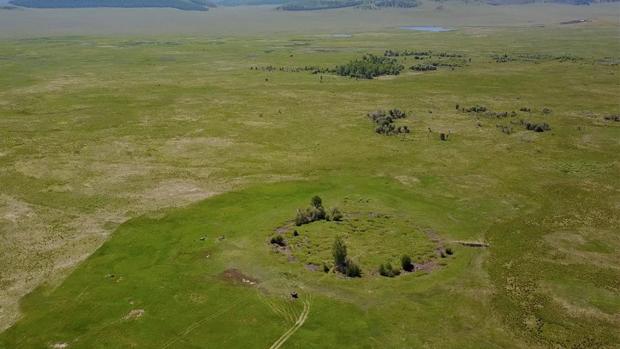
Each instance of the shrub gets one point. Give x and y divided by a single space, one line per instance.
316 213
449 251
336 215
406 264
423 67
309 215
501 58
388 271
352 269
325 268
537 127
316 201
300 218
397 113
278 240
476 109
339 251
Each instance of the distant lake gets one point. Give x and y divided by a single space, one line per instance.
426 29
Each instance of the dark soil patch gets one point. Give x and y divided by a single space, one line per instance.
235 276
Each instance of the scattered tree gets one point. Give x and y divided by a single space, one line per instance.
339 251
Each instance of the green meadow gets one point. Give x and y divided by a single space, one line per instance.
143 176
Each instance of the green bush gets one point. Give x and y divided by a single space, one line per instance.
406 264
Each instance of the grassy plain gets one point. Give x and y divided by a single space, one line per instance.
98 130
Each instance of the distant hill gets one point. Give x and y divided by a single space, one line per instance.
188 5
307 5
248 2
524 2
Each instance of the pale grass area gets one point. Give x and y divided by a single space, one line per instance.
243 20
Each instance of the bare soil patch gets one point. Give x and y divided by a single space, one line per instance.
235 276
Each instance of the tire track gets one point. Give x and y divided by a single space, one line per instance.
300 321
197 324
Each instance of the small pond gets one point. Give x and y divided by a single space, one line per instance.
426 29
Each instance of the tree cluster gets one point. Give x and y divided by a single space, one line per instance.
188 5
395 53
369 66
384 121
535 126
475 109
342 263
316 212
423 67
307 5
612 117
387 270
311 69
532 57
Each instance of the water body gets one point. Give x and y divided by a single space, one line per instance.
426 29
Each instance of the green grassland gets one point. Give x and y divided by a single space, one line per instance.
102 134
